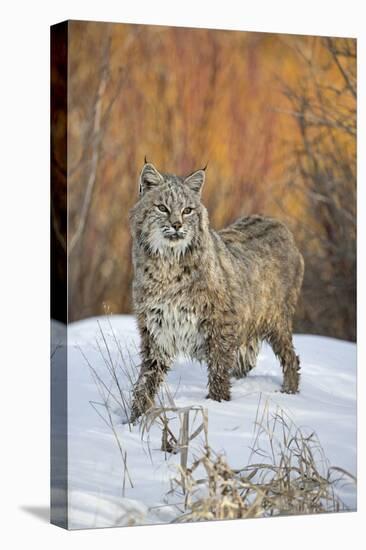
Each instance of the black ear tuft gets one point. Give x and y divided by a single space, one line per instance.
149 178
195 180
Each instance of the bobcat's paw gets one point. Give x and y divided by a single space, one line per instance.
134 416
219 398
291 390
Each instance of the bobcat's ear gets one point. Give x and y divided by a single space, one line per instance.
195 180
149 178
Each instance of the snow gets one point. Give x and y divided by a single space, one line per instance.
326 404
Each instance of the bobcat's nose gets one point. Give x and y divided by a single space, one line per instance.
177 225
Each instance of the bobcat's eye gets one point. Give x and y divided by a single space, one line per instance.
187 210
162 208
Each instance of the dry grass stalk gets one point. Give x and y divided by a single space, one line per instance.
293 477
177 443
113 398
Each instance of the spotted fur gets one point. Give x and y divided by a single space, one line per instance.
212 295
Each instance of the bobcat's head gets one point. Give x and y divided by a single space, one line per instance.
169 211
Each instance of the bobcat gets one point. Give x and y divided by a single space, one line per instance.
212 295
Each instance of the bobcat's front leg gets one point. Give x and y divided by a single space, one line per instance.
221 361
154 367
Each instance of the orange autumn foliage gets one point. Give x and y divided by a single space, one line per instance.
182 97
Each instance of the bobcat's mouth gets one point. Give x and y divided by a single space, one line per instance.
174 236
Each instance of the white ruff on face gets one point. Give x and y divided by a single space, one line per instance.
159 244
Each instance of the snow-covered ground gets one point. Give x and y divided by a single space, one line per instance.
326 405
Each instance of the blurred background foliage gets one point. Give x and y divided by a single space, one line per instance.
273 115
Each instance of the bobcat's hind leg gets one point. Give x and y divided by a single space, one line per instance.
246 358
283 348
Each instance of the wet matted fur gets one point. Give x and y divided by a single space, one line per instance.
212 295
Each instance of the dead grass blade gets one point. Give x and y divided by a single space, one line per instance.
294 478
